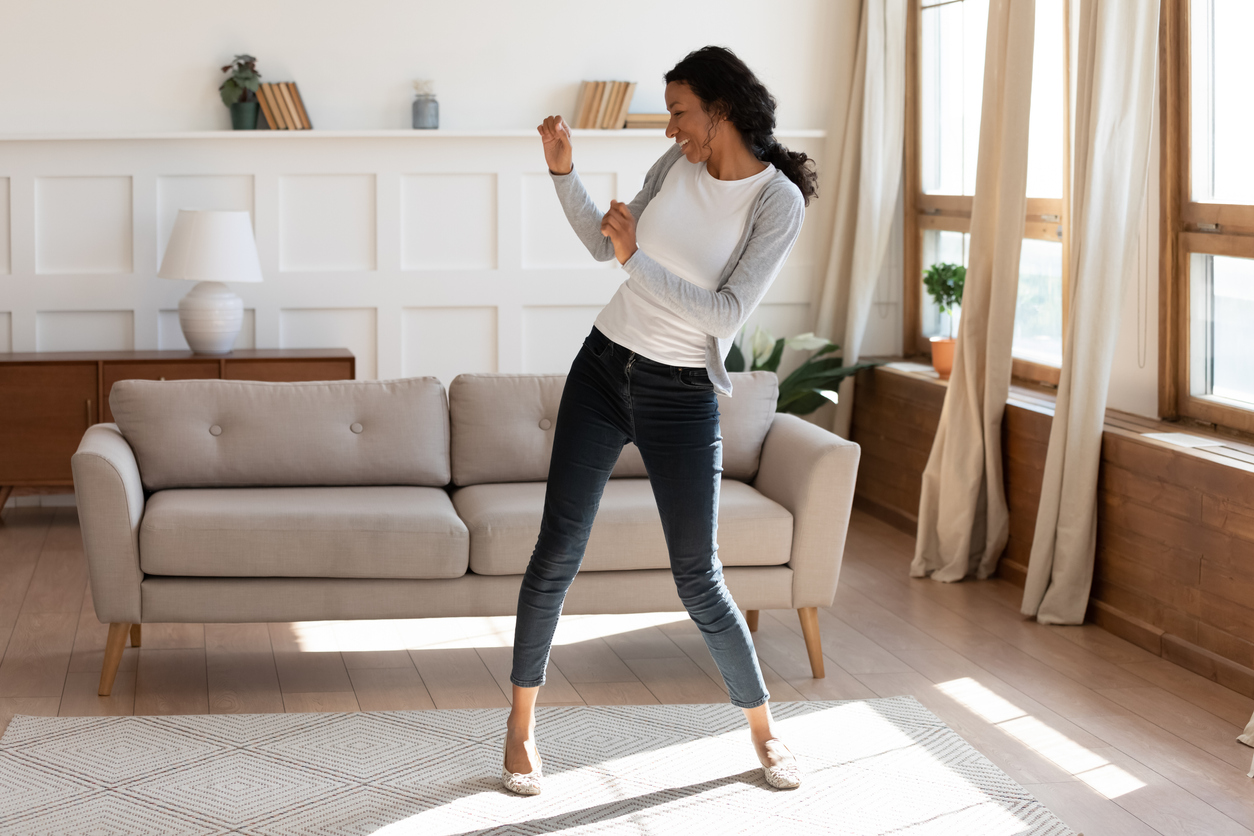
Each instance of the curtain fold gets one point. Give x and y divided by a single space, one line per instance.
1114 71
870 160
963 519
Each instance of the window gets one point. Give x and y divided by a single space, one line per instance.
1207 264
944 88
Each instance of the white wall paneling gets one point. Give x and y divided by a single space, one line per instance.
84 330
326 222
423 252
448 221
552 335
83 224
6 331
548 240
446 342
353 328
4 225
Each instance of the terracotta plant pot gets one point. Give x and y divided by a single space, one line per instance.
943 356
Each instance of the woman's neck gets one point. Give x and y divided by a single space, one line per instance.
732 161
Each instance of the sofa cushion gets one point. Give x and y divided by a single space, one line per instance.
504 522
345 532
236 433
502 427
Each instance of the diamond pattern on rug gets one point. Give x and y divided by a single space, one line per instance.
877 766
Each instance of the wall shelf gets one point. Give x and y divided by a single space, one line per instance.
271 135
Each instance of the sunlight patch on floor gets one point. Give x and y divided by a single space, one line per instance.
443 633
1083 763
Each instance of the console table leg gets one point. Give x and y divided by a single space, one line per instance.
114 646
5 492
810 629
135 635
751 616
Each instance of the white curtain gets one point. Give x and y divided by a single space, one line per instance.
1114 69
963 519
869 156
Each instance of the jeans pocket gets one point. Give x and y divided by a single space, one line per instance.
695 379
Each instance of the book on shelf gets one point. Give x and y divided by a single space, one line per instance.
602 104
282 107
647 120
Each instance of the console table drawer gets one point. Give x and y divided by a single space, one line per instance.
47 408
153 370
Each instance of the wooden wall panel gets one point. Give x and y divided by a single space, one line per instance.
1174 570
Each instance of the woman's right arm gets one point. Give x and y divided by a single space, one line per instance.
581 211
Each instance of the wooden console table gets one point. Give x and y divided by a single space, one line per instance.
49 399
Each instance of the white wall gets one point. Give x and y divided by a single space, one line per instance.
84 65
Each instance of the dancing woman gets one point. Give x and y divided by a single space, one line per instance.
701 243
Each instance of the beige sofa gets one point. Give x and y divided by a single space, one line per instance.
233 501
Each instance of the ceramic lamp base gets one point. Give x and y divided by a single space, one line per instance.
211 316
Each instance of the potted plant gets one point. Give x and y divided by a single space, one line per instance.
944 282
239 92
811 384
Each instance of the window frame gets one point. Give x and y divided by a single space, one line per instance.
1187 228
1046 218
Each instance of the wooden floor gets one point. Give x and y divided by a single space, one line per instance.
1113 739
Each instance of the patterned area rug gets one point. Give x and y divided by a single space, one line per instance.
878 766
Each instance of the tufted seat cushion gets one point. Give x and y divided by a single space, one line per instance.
354 532
237 433
502 427
504 521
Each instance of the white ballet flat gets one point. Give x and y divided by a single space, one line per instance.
523 783
783 776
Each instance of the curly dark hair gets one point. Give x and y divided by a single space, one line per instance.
728 88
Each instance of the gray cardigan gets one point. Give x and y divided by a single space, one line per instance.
774 223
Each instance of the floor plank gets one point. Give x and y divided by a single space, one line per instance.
241 675
36 706
38 655
615 693
556 689
321 701
390 689
457 678
171 681
81 695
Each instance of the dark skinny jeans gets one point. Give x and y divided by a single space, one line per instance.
612 396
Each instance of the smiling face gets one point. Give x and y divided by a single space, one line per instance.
690 125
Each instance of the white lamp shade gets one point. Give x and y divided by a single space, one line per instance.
209 245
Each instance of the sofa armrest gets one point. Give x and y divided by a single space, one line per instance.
110 501
812 473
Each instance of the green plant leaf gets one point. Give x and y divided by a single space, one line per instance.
231 92
735 361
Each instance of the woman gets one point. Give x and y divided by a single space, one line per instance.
701 243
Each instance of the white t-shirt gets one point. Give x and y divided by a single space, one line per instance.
691 227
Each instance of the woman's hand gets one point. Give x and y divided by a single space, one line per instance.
557 152
619 225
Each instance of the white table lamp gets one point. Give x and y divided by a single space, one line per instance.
211 247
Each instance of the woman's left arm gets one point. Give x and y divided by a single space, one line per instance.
721 313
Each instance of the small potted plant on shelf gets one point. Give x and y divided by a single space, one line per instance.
944 284
811 384
239 92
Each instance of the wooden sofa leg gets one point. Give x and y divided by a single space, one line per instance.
135 635
114 646
810 629
751 616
